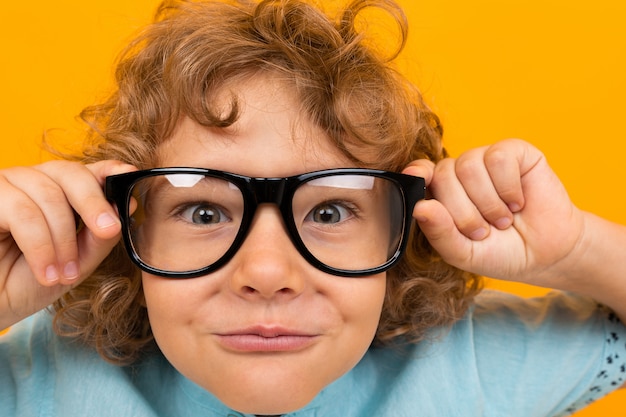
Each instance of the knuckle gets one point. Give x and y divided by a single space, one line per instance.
469 224
25 211
497 156
494 211
443 172
66 248
468 167
56 165
469 221
52 167
508 194
52 195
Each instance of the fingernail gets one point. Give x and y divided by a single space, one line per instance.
52 274
71 270
479 234
421 219
105 220
502 223
514 207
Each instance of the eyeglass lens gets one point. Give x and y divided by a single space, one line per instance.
184 222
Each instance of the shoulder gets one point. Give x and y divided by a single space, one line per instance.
24 365
562 349
44 374
23 344
501 304
549 322
506 351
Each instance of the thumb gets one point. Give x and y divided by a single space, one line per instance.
92 250
421 168
437 224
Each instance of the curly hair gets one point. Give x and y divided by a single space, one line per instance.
346 86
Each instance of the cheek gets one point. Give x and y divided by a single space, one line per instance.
347 309
158 305
173 310
360 306
363 306
170 304
158 294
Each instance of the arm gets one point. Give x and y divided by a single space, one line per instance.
500 211
41 254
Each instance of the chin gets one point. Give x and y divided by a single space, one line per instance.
271 390
277 404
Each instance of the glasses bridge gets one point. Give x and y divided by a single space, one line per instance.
268 190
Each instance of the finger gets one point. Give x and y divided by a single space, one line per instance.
95 247
421 168
503 162
41 222
472 172
448 189
83 185
22 223
441 231
93 250
24 295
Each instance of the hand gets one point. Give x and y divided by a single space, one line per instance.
41 253
500 211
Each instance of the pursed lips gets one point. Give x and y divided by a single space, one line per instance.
266 339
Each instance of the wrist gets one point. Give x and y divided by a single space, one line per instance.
595 265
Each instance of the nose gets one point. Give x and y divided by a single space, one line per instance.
267 265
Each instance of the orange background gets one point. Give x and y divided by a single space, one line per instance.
552 73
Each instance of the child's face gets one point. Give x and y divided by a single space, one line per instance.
208 327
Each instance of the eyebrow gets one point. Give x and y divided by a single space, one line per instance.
184 180
353 182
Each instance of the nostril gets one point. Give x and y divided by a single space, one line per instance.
251 290
248 290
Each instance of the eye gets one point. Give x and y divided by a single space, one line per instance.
329 213
203 214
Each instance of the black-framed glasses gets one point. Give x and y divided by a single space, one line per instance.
188 222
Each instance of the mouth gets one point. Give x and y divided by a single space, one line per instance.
266 339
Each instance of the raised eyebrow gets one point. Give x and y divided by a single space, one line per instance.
352 182
168 183
355 185
184 180
329 192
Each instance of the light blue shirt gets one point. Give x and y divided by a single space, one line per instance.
508 357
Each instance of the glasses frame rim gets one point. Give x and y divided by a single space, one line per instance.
259 190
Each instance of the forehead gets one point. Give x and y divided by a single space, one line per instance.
271 137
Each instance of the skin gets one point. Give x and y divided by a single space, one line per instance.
501 211
489 215
267 284
41 255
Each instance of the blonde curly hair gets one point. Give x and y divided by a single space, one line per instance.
174 68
